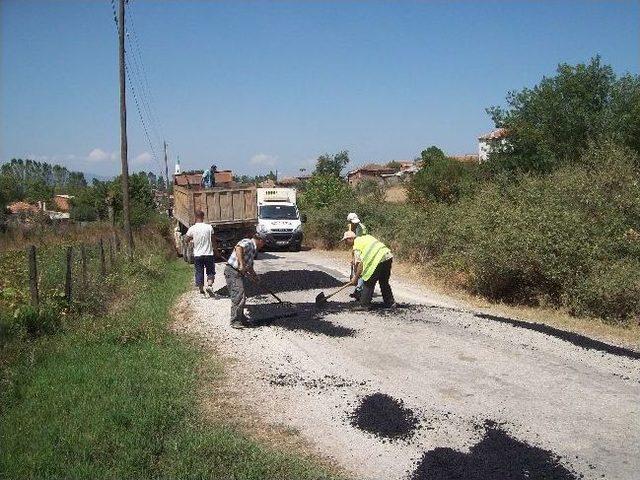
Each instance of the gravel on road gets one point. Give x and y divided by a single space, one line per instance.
558 406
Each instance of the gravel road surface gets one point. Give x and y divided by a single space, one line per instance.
430 390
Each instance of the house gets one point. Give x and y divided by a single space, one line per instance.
62 203
22 208
489 141
371 171
288 182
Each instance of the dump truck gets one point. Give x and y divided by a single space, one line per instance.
230 208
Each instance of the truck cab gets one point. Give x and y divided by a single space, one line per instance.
278 216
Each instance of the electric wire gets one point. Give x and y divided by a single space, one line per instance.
129 73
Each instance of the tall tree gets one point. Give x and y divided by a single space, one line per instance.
331 165
553 122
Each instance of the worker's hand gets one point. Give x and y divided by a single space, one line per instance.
242 268
353 281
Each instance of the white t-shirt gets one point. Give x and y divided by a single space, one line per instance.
201 234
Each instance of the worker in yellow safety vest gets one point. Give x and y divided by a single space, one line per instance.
373 261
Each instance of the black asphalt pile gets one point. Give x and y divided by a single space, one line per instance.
288 281
571 337
385 417
304 317
497 457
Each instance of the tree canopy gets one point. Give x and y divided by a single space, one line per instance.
552 123
331 165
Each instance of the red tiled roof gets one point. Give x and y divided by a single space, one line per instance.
22 207
495 134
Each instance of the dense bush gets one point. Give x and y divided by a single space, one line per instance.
569 238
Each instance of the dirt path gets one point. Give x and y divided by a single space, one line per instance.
430 390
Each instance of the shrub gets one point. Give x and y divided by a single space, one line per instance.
439 180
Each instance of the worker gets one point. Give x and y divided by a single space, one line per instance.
373 261
204 251
355 225
209 177
240 263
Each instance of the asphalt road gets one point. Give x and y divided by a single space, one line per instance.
454 395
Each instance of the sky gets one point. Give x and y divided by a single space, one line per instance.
254 86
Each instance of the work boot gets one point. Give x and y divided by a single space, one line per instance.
356 295
201 289
237 324
210 291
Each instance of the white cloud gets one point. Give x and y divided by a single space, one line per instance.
98 155
144 157
263 159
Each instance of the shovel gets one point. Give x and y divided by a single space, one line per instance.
321 298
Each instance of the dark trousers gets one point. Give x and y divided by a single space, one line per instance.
380 274
235 285
201 263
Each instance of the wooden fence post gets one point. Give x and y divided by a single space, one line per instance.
103 267
69 277
83 260
111 259
33 276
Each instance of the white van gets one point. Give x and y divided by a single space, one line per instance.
278 216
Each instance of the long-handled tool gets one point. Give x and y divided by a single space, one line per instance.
321 298
260 284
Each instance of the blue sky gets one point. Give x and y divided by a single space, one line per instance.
253 86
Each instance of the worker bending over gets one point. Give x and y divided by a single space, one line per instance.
240 263
356 226
204 251
372 263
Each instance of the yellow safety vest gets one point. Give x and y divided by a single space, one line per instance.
372 251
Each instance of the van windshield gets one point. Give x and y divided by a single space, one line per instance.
278 212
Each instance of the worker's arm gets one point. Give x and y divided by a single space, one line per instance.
240 256
252 273
357 267
357 273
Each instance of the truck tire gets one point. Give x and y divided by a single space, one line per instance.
295 247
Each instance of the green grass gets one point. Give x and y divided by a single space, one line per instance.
115 397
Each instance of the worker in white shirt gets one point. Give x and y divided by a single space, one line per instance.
204 252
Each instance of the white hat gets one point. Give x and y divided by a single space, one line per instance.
353 218
348 234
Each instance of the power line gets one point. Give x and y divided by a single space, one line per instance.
138 50
129 73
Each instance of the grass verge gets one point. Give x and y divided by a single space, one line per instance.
115 397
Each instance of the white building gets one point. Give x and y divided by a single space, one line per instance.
488 142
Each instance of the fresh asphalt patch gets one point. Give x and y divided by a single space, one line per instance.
498 456
384 417
288 281
571 337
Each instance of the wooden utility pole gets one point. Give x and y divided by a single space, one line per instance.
166 167
123 133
